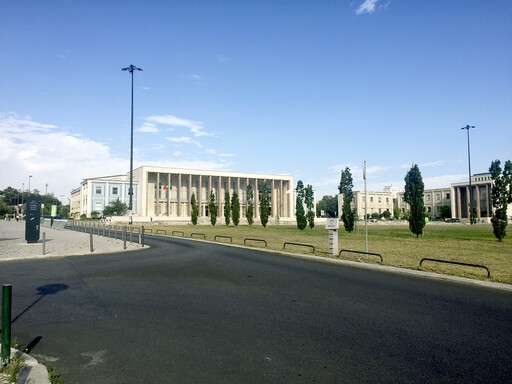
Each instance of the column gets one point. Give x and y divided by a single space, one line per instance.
458 202
199 193
157 198
477 187
178 197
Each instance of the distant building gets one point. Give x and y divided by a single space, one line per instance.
481 184
377 202
433 199
161 193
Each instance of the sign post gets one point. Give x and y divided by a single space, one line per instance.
332 224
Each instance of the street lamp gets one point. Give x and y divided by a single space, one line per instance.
29 184
131 69
470 214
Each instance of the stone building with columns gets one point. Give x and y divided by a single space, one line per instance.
479 195
164 194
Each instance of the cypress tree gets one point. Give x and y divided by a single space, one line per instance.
300 213
212 208
195 209
413 196
227 208
235 209
249 214
501 196
345 188
264 205
309 199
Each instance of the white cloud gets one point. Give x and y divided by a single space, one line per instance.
148 128
183 140
195 127
368 6
51 155
195 77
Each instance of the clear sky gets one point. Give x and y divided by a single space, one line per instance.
297 87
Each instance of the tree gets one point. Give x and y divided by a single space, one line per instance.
249 214
328 204
386 214
227 208
195 208
310 203
444 212
345 188
264 205
413 196
501 196
235 209
115 208
212 208
300 213
396 213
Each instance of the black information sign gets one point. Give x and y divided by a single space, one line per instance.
33 219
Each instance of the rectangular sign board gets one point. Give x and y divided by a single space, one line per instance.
332 223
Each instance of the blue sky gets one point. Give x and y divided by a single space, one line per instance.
297 87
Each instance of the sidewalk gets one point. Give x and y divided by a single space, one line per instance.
58 243
13 245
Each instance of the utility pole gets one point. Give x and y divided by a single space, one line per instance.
131 69
471 215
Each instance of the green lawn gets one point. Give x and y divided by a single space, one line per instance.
399 248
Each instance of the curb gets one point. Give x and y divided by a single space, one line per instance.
31 372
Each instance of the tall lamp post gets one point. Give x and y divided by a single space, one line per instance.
131 69
29 184
470 205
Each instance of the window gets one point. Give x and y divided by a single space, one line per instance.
427 197
98 190
438 197
387 200
115 190
447 195
379 201
371 199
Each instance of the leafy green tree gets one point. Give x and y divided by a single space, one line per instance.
501 196
235 208
413 196
444 212
396 213
345 188
249 214
300 213
115 208
386 214
195 208
212 208
328 204
309 197
227 208
264 205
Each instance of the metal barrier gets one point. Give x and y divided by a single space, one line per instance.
364 253
161 230
300 245
262 241
198 234
457 263
223 237
182 233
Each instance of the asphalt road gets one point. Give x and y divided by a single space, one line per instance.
190 312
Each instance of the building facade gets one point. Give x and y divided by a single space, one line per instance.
162 193
376 202
434 200
476 195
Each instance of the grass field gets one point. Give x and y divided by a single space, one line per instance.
399 248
